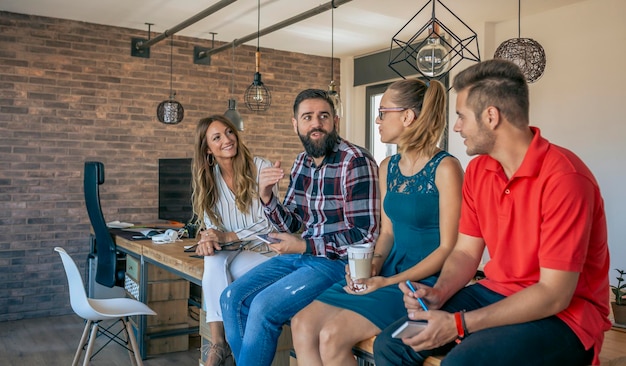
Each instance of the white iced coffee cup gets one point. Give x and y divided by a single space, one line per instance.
360 262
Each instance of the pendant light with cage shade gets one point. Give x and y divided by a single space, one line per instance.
257 97
232 113
170 111
332 91
524 52
436 47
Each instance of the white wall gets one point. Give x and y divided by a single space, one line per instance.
578 103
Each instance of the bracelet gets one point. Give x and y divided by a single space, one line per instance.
458 318
465 331
376 255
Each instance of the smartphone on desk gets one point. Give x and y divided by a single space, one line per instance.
190 248
409 329
267 239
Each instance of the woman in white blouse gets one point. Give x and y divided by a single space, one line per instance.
225 180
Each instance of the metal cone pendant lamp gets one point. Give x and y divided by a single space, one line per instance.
524 52
170 111
232 113
257 96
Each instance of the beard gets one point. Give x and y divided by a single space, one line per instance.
483 141
321 147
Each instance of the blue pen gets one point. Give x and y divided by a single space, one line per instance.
408 283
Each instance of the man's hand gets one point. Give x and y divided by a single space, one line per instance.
441 330
268 177
431 296
289 244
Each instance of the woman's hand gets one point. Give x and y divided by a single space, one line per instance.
209 242
363 286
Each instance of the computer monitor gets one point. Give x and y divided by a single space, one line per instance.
175 190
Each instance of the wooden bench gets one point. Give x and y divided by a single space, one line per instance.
364 351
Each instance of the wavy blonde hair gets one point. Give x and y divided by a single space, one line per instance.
428 102
205 191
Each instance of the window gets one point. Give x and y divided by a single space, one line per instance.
373 95
377 148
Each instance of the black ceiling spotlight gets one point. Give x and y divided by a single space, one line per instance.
141 47
436 47
524 52
257 96
170 111
199 53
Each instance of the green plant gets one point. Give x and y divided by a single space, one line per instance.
620 290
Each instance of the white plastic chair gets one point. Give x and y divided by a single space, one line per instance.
96 310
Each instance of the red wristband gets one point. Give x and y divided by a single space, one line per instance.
459 326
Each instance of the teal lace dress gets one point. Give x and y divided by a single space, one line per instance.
412 205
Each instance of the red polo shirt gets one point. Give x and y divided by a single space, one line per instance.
550 214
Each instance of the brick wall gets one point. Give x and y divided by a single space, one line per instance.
71 92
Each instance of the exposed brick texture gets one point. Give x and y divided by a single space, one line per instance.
71 92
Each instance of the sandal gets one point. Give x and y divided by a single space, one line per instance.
220 355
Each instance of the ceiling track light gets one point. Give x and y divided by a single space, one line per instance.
140 47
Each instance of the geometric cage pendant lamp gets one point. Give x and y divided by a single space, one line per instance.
170 111
524 52
436 47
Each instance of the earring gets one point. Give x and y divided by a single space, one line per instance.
210 159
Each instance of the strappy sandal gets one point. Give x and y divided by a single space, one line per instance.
220 355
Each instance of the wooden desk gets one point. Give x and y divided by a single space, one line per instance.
171 257
177 265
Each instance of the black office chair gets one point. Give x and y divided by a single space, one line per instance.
110 270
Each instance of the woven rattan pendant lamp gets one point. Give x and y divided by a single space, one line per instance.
524 52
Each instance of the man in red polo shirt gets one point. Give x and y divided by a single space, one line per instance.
537 209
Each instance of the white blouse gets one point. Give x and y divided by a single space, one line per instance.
247 225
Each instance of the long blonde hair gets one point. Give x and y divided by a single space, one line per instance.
205 190
428 102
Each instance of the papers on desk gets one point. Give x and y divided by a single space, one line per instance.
119 225
145 231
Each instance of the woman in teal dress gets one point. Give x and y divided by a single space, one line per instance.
421 193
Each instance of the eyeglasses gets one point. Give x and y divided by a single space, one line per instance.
381 111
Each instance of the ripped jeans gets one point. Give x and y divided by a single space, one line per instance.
256 306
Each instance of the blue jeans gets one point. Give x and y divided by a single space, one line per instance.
547 341
256 306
